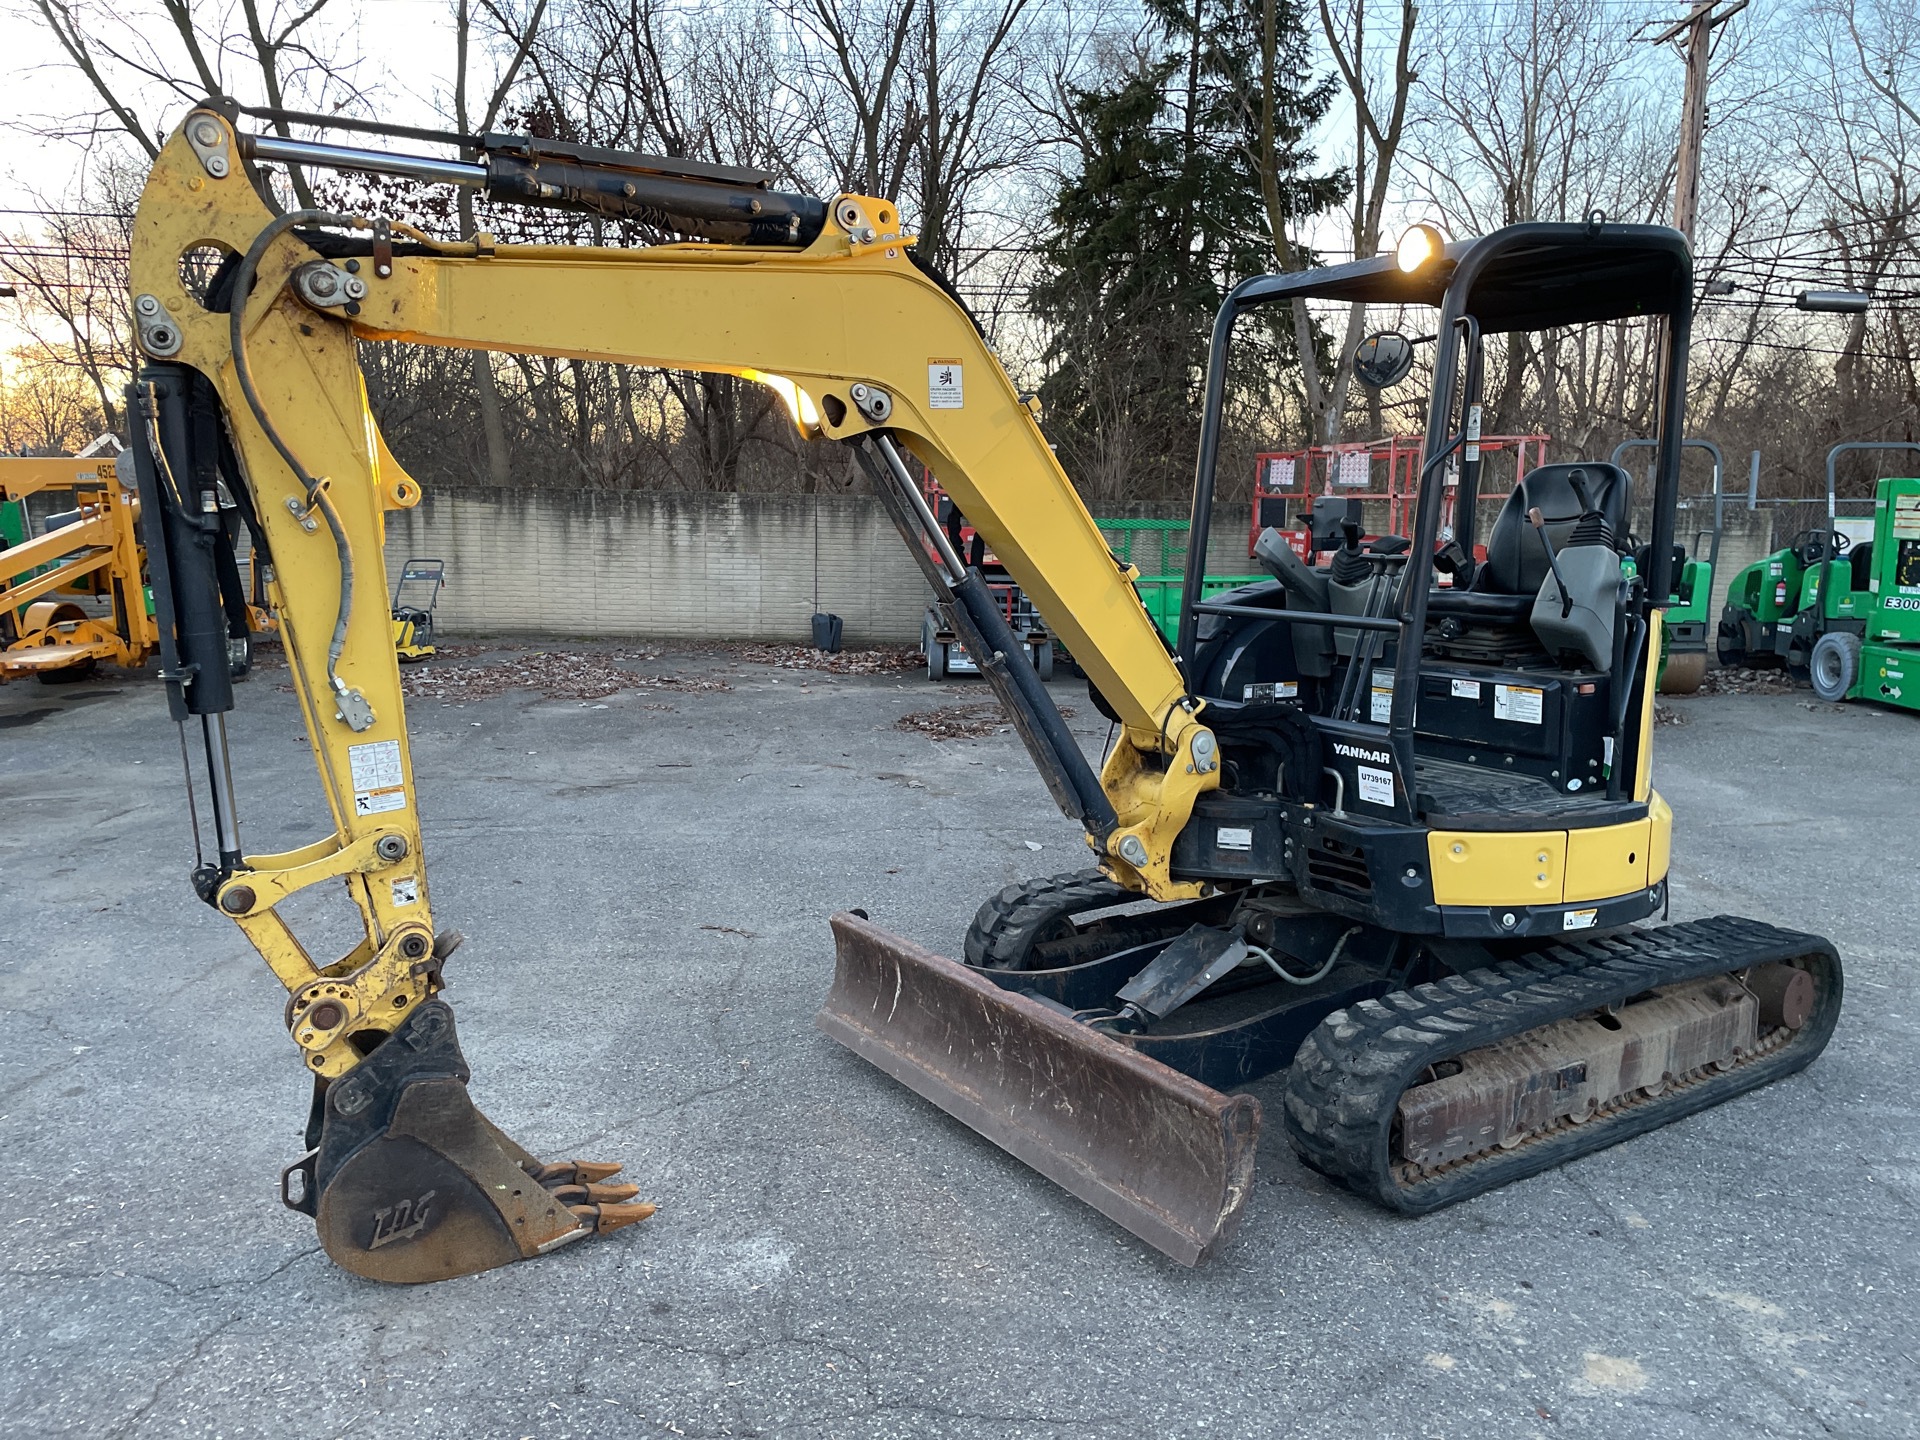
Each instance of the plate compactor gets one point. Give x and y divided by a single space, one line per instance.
1386 822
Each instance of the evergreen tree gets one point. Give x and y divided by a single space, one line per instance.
1164 217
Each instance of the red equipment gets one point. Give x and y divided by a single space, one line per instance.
1387 470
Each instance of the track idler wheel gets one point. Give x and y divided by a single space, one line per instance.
410 1182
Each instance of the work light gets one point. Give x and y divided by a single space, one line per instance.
1419 245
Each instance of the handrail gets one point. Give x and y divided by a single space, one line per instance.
1316 617
1719 491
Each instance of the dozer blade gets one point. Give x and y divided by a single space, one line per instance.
1161 1154
410 1182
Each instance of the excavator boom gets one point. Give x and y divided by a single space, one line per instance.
252 382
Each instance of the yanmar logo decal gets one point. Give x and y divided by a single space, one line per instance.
1355 752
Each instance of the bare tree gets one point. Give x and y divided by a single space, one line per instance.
46 405
1859 140
134 73
72 277
517 34
1540 114
856 77
1379 102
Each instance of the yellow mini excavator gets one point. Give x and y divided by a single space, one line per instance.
1385 822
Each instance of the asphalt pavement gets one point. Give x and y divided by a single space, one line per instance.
645 879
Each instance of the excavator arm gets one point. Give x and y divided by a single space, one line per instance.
254 379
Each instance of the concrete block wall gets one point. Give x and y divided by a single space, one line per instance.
733 567
721 566
700 566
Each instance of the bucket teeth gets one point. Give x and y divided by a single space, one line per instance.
573 1172
605 1219
592 1194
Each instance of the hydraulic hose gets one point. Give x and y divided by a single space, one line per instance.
1333 957
243 370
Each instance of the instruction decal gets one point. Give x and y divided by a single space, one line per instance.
378 784
944 388
1906 517
1375 786
1521 703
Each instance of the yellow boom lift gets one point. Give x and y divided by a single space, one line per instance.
1395 814
91 551
94 551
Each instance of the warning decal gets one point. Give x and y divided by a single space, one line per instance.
1906 517
1380 711
377 782
944 389
1274 690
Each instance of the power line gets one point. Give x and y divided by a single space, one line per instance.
1800 349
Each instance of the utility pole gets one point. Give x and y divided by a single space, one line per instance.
1699 25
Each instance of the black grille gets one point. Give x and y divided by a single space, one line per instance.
1332 865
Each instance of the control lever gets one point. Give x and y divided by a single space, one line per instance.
1539 523
1278 559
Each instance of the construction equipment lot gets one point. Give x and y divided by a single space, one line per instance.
834 1256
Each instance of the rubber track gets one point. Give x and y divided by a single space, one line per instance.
1346 1081
1004 927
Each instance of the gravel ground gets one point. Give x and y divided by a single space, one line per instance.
645 876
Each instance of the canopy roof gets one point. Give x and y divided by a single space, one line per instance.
1525 277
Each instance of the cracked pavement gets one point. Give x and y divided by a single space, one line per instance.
645 892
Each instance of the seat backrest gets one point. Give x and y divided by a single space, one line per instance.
1861 556
1516 560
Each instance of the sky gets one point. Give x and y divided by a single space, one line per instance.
407 47
408 44
408 50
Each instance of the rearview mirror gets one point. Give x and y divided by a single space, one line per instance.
1382 360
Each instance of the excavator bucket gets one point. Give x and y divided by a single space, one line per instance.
1157 1152
409 1182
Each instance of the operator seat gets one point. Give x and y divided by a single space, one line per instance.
1504 587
